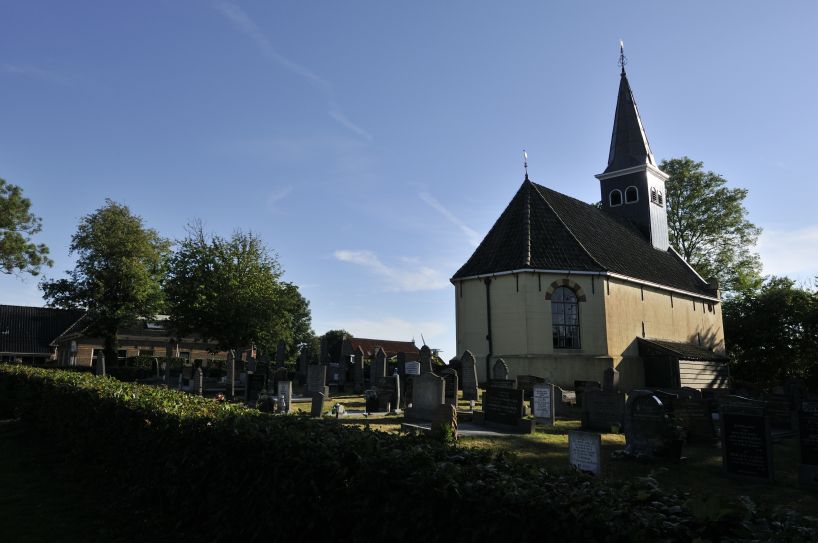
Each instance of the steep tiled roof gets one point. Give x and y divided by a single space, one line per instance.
29 330
685 351
390 348
544 229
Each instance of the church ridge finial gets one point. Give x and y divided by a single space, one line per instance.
622 58
525 163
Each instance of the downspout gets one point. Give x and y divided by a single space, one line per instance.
488 322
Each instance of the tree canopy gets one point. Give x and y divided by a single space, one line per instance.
118 273
18 254
708 224
229 290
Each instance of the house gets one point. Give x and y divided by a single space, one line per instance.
390 347
26 333
562 289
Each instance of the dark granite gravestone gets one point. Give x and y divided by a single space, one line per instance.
746 443
526 383
401 356
317 407
542 403
323 354
276 376
457 366
581 386
406 392
388 391
694 416
198 382
284 393
301 368
500 370
281 352
469 374
808 443
780 411
584 451
425 359
345 362
565 403
251 364
428 392
317 380
450 378
358 370
668 399
252 388
687 392
601 410
377 370
502 383
231 375
503 406
610 380
99 365
649 427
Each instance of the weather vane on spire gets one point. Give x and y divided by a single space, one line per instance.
525 163
622 59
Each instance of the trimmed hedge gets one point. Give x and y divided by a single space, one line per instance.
227 472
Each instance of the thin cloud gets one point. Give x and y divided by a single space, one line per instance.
401 279
246 25
277 195
472 235
33 72
790 252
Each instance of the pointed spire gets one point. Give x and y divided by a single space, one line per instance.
525 163
629 143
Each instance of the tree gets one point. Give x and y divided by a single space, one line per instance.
18 254
708 225
334 340
772 332
229 291
118 274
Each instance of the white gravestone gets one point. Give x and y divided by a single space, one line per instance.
542 403
584 451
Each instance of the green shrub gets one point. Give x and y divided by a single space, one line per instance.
226 472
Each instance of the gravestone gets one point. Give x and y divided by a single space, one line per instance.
284 392
301 368
526 383
345 362
371 400
168 356
649 427
231 375
317 407
584 451
198 382
278 375
500 370
779 409
251 364
610 380
581 386
602 410
695 417
428 393
388 391
746 443
100 366
317 380
323 355
502 383
565 403
281 352
425 359
412 368
455 364
808 443
503 406
445 415
542 403
358 370
377 370
253 387
450 378
401 363
469 374
668 399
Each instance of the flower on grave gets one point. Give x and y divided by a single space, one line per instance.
219 397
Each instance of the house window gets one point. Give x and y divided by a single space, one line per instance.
631 195
565 318
616 198
147 352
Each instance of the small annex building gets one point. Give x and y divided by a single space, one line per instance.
562 289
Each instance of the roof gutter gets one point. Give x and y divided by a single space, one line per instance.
596 273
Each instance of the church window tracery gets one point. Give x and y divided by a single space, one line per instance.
565 318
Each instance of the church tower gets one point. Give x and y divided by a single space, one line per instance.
632 186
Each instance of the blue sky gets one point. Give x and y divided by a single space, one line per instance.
372 144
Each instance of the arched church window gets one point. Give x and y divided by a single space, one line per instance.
616 198
653 195
631 195
565 318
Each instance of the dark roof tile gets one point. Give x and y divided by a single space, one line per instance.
30 329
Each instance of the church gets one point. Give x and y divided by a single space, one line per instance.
563 290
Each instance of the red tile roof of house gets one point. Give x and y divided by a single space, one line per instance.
391 348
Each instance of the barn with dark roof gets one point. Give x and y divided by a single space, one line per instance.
563 289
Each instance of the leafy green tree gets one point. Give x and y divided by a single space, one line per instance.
335 339
18 254
118 274
772 332
229 290
708 225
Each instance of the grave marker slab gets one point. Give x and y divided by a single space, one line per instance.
500 370
231 375
428 393
358 370
317 407
542 403
526 383
425 359
649 428
584 451
377 370
602 410
581 386
253 387
388 391
284 390
198 382
401 356
503 406
745 438
695 417
317 380
469 373
450 378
